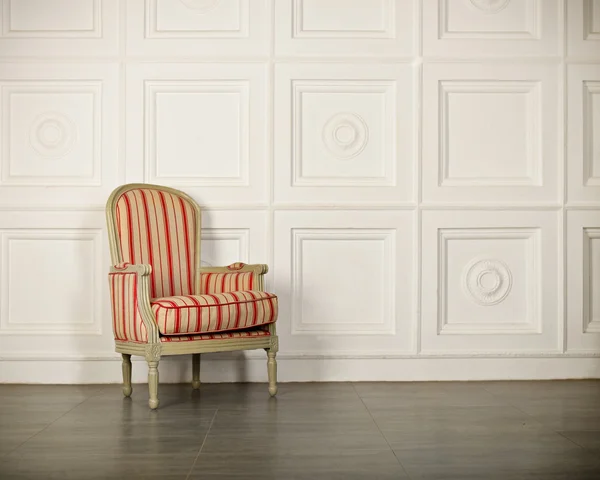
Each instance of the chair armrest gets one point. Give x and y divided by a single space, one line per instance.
133 320
237 276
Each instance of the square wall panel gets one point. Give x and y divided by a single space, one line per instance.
197 27
344 280
583 28
233 236
344 27
490 279
484 28
345 134
58 27
490 133
583 281
583 134
204 132
65 307
59 131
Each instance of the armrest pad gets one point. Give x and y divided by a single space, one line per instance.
238 267
139 268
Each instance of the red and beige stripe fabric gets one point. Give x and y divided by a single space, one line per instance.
194 314
226 282
159 228
215 336
127 322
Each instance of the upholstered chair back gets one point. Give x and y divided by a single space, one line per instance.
159 227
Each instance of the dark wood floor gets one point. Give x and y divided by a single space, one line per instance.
480 430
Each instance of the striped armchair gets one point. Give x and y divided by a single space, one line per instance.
164 303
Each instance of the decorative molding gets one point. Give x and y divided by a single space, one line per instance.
8 31
345 135
154 88
52 135
383 326
206 31
591 126
534 132
591 20
591 243
490 7
388 30
92 327
201 7
476 290
475 280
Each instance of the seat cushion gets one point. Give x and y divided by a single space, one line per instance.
219 312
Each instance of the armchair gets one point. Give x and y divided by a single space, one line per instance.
164 303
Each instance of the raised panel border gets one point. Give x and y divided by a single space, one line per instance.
8 32
531 33
152 88
388 13
534 160
386 88
387 325
242 235
93 235
590 324
7 88
151 31
532 324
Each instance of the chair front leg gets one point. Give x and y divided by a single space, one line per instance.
272 370
196 371
126 374
153 357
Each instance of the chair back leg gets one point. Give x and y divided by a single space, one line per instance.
196 371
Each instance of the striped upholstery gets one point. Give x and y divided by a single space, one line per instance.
127 322
158 228
226 282
216 336
194 314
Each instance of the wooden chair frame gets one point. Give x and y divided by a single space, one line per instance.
154 349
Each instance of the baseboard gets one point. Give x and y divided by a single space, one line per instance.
176 370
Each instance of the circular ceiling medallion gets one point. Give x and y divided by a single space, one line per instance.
201 6
490 6
345 135
52 135
487 281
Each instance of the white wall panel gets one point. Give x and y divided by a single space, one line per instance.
490 125
583 281
344 27
583 27
489 28
490 282
583 154
421 176
344 134
58 27
345 280
210 28
59 131
205 131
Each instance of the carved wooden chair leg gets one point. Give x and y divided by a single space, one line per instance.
153 383
196 371
126 374
272 369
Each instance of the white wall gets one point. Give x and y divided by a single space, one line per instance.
422 177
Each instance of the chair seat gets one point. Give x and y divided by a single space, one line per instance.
216 336
211 313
